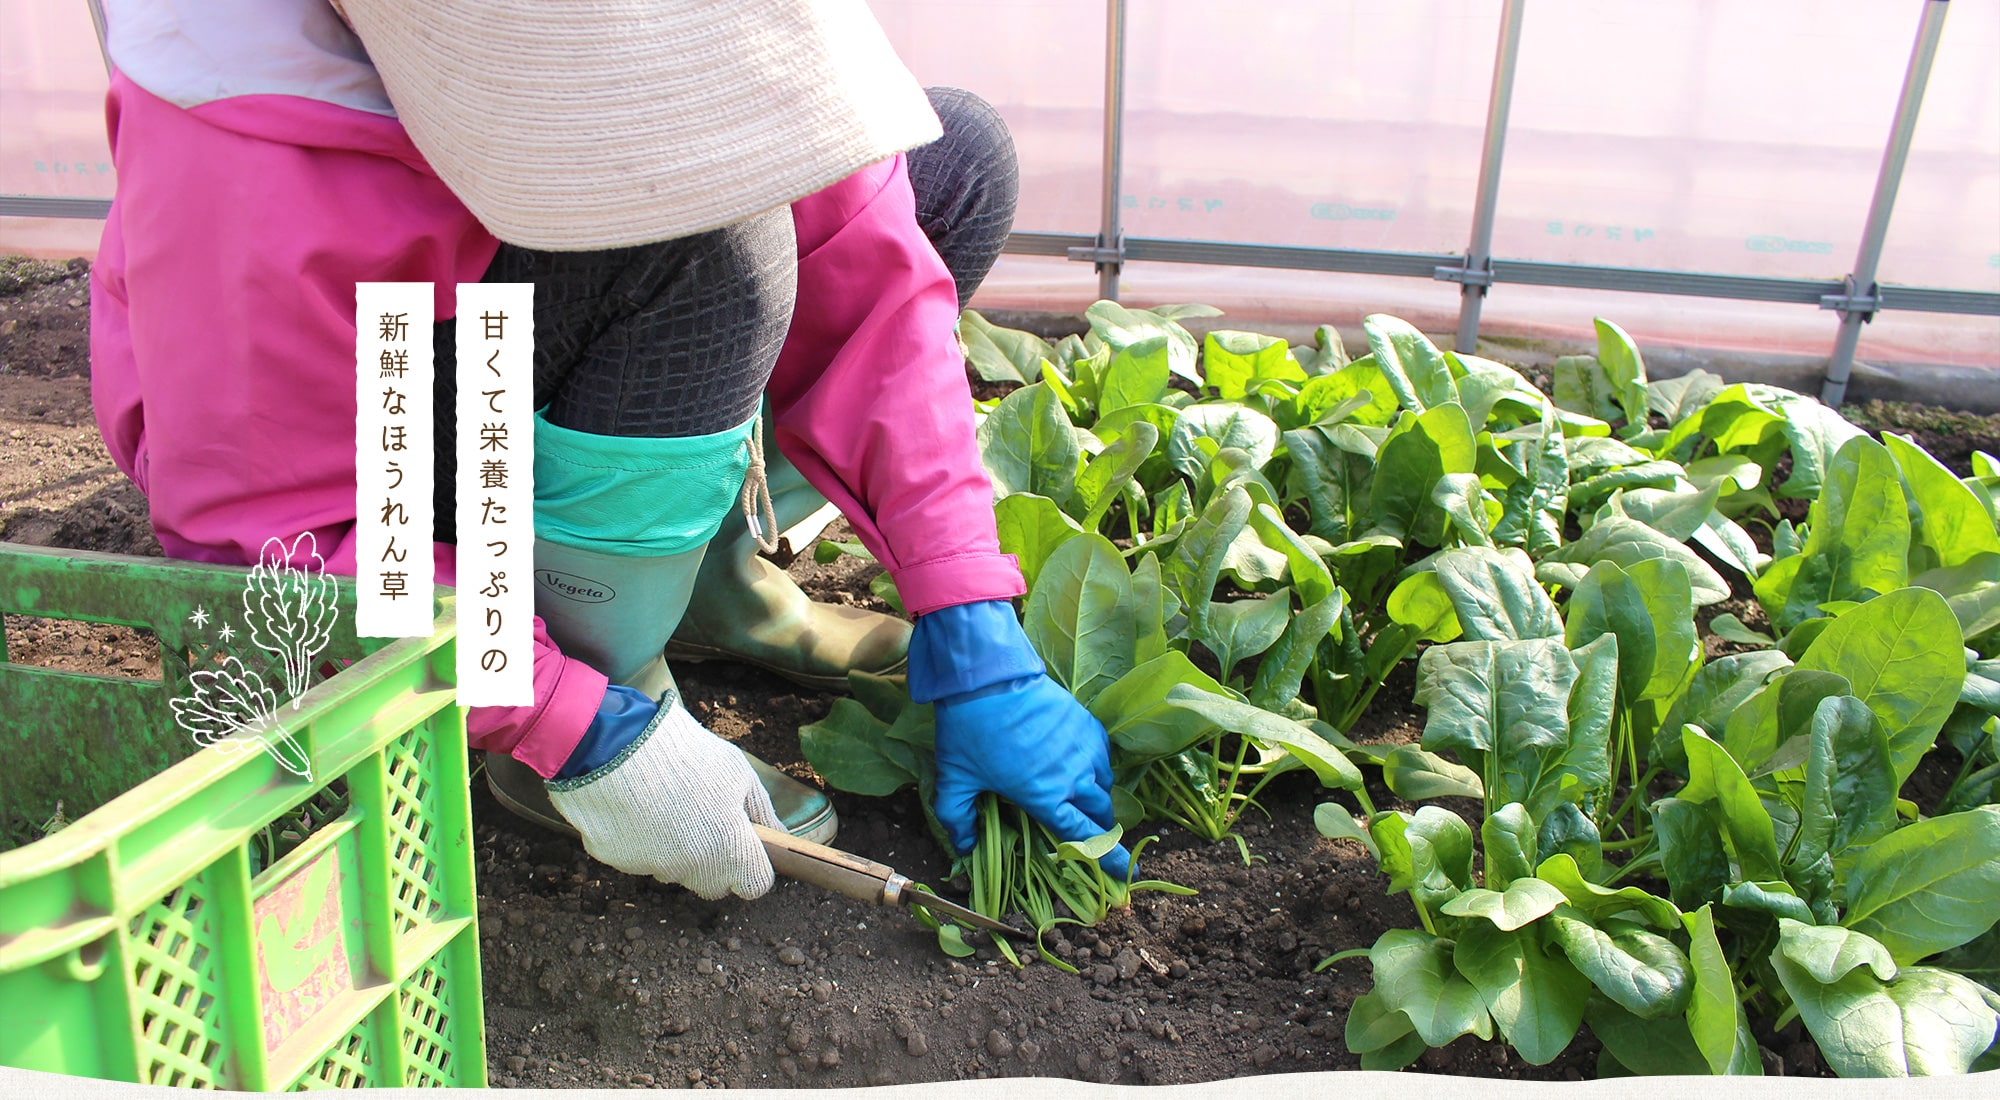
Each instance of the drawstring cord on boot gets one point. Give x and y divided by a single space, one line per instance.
758 512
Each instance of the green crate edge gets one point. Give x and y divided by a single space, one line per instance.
109 887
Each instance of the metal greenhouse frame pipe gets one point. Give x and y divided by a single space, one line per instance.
97 22
1108 251
1860 299
1443 265
1857 298
53 206
1477 274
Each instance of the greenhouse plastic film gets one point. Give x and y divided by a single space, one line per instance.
1708 136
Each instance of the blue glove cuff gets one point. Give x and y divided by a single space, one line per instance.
968 646
621 718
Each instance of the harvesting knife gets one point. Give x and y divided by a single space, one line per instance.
518 788
851 876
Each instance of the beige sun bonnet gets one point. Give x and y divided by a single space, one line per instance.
579 124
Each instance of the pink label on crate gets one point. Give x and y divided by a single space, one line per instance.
301 962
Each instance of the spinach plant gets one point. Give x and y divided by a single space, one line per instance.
1231 543
1777 874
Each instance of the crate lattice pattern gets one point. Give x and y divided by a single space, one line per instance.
349 1065
285 835
427 1028
413 868
175 981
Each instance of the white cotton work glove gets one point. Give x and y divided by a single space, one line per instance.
676 804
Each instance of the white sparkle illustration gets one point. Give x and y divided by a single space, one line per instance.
227 632
199 616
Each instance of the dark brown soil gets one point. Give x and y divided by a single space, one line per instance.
44 318
1949 436
57 484
72 646
842 580
649 983
597 978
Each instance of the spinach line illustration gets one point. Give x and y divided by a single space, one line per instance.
290 611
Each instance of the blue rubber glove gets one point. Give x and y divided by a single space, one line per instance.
621 718
1004 726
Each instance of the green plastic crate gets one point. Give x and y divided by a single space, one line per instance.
207 918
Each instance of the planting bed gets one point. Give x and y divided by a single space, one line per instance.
595 978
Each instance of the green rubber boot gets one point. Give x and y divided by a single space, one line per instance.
610 612
744 608
615 610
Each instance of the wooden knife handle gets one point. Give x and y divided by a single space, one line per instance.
844 873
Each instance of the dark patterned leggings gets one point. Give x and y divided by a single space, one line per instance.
679 338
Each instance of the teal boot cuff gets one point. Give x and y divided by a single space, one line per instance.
636 496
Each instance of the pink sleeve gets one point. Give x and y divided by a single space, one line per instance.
869 397
222 336
567 695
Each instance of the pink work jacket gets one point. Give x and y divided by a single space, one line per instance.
222 355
